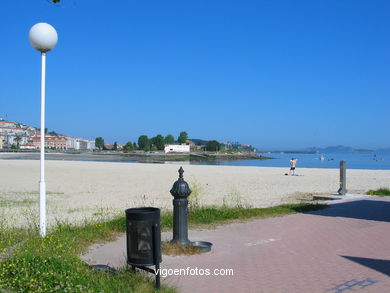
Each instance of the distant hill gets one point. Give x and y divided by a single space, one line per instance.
332 149
339 149
383 151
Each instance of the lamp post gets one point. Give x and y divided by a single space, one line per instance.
43 37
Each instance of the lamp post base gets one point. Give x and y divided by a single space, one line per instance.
42 208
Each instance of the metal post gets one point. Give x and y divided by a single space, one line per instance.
156 254
42 183
180 192
180 221
343 178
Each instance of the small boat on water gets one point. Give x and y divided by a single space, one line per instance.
321 158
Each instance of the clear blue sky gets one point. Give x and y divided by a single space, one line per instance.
275 74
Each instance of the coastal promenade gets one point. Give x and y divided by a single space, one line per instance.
344 248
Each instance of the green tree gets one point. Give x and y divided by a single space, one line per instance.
46 130
144 143
128 146
158 142
99 143
183 137
169 139
18 139
53 133
213 145
115 147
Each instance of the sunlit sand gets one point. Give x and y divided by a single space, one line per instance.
90 190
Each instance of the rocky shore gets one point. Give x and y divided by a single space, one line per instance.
137 156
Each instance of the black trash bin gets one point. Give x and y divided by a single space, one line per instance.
143 239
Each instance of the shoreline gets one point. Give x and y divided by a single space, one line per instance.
80 190
151 156
197 156
109 157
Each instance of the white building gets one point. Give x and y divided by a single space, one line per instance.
76 143
91 145
28 146
177 148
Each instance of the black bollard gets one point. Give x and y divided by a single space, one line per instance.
180 191
343 178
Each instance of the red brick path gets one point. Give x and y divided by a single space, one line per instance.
345 248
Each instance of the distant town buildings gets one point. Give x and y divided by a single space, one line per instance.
17 135
238 146
14 135
51 142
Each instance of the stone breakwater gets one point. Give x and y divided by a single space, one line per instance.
196 156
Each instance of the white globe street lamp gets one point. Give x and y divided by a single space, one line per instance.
43 37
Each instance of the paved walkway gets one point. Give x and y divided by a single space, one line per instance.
345 248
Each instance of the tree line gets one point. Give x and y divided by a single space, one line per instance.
145 143
157 143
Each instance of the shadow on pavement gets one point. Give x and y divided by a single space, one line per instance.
380 265
374 210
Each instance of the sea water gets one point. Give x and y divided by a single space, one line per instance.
374 161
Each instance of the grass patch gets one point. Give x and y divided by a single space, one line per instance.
29 263
52 264
206 216
380 191
17 203
175 249
9 240
21 198
219 215
33 192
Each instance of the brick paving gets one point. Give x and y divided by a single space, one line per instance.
345 248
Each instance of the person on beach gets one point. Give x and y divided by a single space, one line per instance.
293 163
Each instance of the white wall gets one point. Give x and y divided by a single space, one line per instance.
177 148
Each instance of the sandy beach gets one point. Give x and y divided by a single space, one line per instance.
91 190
